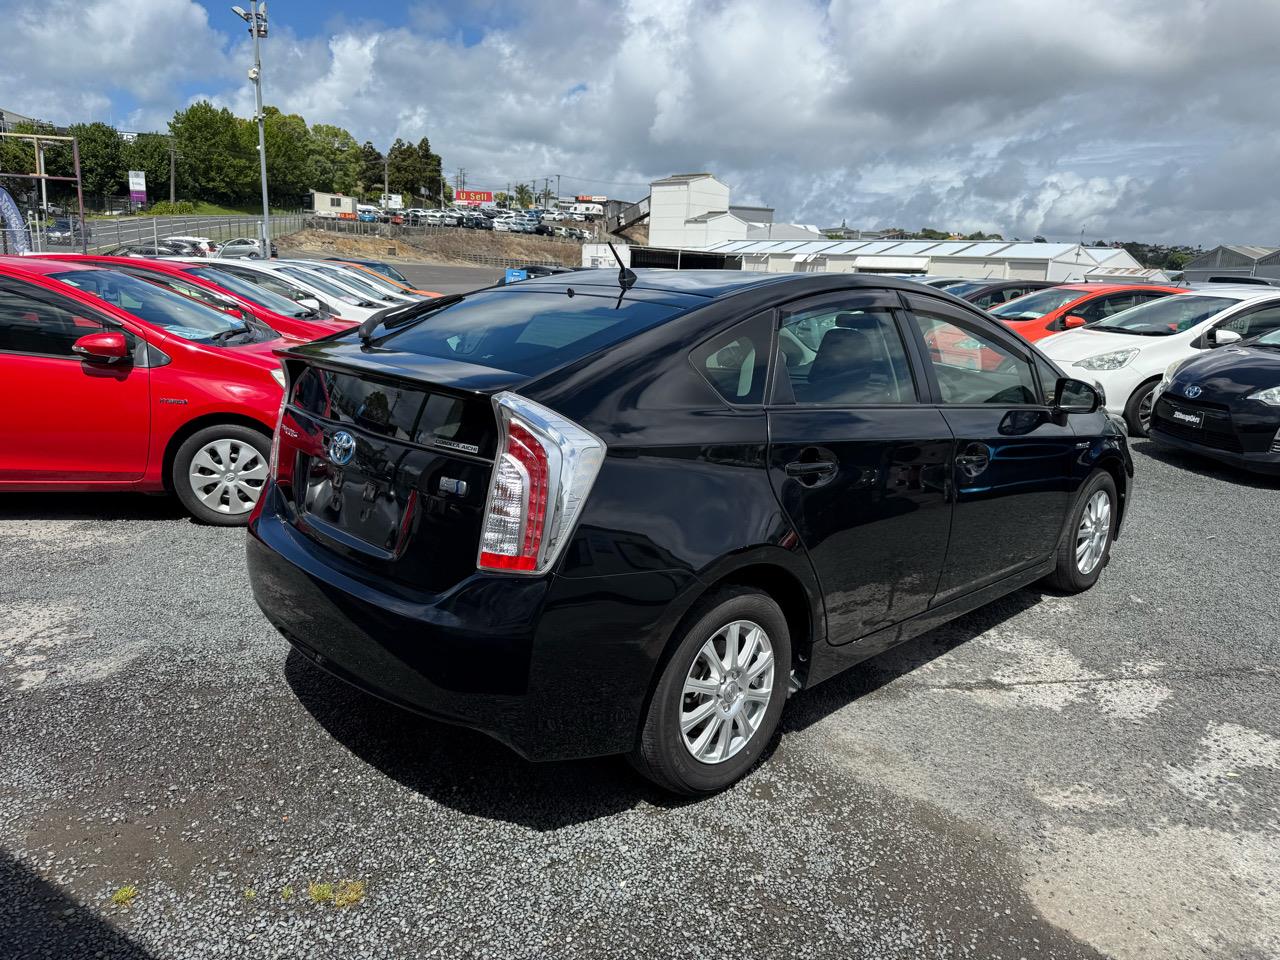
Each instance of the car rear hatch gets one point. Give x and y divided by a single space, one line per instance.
390 471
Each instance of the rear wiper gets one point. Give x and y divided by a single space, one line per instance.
230 332
406 315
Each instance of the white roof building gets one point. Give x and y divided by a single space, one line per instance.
691 211
994 259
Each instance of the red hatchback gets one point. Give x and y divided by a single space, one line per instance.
115 383
1039 314
223 291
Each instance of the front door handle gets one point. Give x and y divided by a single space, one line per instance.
974 459
810 468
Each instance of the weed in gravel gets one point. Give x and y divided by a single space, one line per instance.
250 893
320 892
348 892
125 896
286 893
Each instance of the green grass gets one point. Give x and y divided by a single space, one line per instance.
125 896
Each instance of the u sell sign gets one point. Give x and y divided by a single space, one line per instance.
473 198
138 186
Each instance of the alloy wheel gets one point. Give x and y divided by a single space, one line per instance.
227 476
727 691
1145 407
1092 534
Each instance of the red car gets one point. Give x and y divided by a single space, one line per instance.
1055 309
223 291
115 383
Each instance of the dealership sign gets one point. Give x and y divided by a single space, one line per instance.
583 198
138 186
473 198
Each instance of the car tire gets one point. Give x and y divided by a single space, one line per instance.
665 753
224 500
1133 410
1086 544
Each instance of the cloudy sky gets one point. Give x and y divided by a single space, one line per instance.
1125 119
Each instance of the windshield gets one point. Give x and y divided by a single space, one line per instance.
256 295
1035 305
526 332
348 279
320 283
156 305
1166 316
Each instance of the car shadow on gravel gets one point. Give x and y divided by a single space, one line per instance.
89 506
811 706
474 774
1205 466
465 770
39 920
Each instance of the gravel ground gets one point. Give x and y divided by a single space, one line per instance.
1046 777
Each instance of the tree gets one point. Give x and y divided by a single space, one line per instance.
335 160
1038 239
502 199
406 171
288 156
219 159
102 169
433 167
370 170
524 196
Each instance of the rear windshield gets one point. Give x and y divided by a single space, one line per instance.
527 332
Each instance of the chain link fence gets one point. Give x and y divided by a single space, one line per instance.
393 231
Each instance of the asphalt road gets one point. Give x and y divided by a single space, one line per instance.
1046 777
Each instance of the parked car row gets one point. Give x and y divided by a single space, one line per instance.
129 373
177 246
1154 352
541 222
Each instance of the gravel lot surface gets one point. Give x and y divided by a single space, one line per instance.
1046 777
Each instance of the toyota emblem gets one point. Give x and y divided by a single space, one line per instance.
1192 391
342 447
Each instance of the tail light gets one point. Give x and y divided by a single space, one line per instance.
542 474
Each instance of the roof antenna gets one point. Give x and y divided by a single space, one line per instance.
626 278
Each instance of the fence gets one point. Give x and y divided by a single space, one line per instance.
393 231
104 234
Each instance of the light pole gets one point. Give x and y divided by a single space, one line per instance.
257 20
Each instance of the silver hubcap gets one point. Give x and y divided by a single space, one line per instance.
227 476
1095 528
726 692
1144 409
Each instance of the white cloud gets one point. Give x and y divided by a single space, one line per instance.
1125 118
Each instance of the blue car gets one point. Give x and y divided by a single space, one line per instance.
366 217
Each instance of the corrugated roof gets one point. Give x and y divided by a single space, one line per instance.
680 178
709 215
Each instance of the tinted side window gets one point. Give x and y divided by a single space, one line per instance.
32 322
1048 378
972 367
838 355
736 362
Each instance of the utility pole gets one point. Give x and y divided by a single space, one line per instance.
557 191
386 175
257 21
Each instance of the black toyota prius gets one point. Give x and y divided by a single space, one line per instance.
1224 404
604 513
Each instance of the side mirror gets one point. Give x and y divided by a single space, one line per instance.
108 347
311 303
1075 396
1218 337
1073 320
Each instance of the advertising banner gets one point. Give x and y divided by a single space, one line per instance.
138 186
473 198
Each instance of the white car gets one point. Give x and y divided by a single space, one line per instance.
353 282
289 281
1128 353
207 246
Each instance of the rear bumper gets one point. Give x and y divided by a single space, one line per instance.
1268 463
555 668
